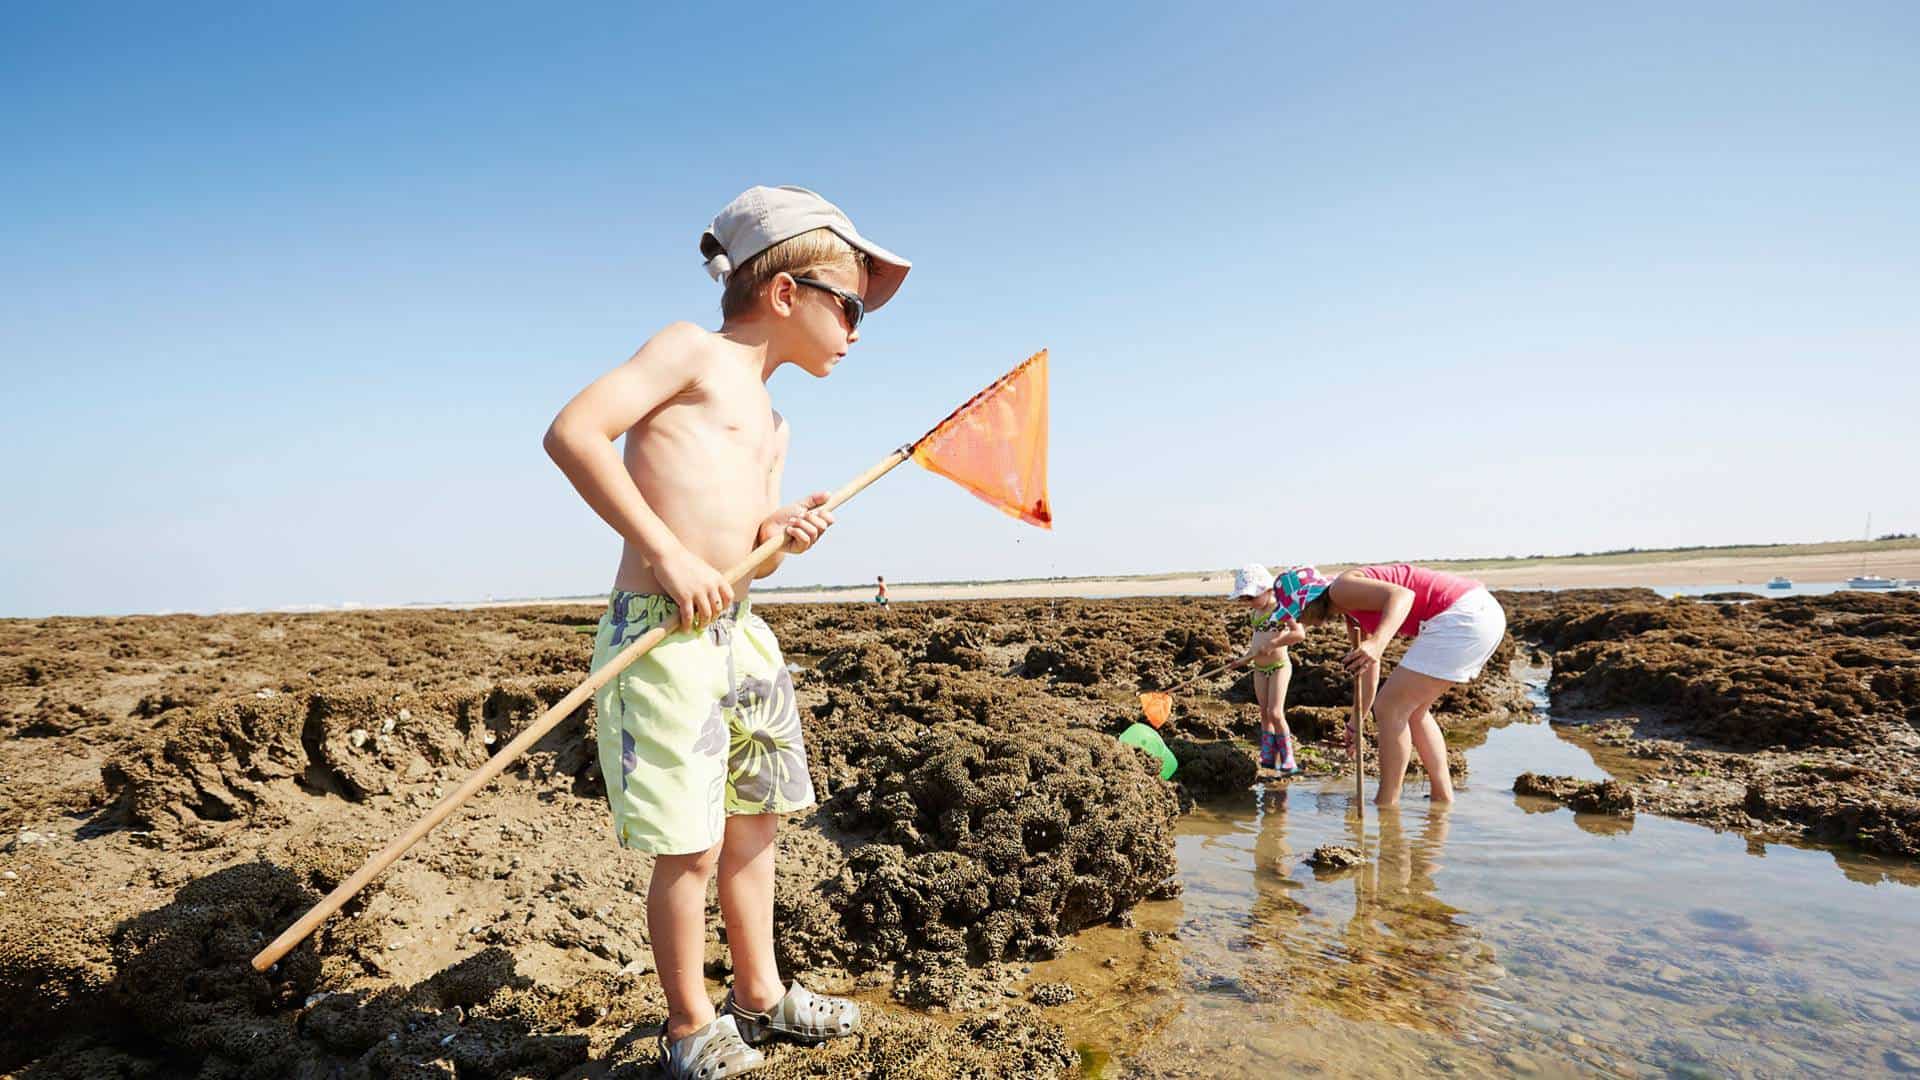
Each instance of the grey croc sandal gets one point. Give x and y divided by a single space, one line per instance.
802 1015
711 1052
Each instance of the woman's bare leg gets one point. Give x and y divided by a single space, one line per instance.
1405 696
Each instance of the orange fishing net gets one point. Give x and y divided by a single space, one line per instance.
1158 705
996 444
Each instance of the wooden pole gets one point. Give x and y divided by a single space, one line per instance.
1359 732
507 754
1183 684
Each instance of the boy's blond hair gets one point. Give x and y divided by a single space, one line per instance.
811 250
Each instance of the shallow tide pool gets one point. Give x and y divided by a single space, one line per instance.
1506 935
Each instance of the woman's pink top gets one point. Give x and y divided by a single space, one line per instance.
1433 593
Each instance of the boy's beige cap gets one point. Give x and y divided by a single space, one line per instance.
761 217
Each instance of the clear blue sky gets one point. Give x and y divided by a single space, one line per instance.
289 292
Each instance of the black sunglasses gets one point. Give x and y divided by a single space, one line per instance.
850 302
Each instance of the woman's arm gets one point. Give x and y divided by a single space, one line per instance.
1355 591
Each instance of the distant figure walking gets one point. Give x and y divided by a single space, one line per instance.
880 591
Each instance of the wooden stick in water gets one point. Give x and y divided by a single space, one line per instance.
1359 745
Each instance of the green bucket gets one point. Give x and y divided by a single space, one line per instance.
1142 737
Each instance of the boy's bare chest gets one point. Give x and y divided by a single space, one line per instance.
740 425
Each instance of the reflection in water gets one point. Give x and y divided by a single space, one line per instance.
1597 824
1402 954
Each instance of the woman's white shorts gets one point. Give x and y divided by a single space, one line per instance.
1455 644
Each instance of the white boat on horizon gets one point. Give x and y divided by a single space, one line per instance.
1780 582
1864 580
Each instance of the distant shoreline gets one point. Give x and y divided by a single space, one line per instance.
1732 565
1751 565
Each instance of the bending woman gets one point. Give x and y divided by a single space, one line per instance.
1455 624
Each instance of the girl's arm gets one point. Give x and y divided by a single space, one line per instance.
1270 639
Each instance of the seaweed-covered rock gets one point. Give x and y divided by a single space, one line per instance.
1725 687
54 969
184 973
185 978
1052 994
1577 624
1868 808
1585 796
1801 709
987 845
1213 768
1079 660
862 662
1199 645
1332 858
220 761
1797 672
960 644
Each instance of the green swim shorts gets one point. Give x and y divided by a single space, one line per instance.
701 727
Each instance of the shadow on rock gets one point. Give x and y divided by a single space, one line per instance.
185 998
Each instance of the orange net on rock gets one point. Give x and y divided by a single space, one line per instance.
996 444
1158 705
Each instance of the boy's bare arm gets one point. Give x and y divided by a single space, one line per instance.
581 441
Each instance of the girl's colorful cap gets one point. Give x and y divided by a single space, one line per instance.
1251 580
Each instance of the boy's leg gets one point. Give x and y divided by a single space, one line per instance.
677 923
1406 694
746 903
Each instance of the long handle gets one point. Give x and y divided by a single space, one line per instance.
505 756
1207 674
1359 732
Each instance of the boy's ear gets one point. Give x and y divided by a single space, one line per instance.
782 293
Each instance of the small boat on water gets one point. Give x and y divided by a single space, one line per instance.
1864 580
1780 582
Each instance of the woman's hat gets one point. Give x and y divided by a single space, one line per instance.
1295 588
